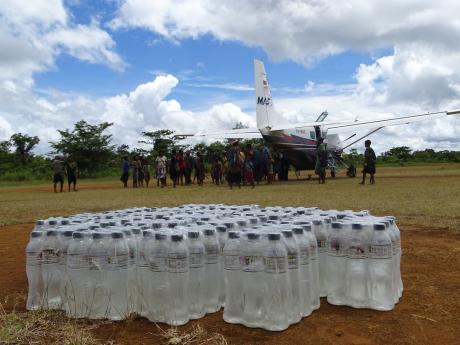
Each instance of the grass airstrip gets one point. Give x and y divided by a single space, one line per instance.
425 200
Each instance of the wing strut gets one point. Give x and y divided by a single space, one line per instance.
354 142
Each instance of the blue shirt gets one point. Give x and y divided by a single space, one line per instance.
125 167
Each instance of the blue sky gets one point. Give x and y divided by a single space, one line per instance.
188 65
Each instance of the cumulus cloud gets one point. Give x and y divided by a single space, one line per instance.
143 109
32 35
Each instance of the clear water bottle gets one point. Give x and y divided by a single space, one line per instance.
221 239
143 273
98 302
132 269
357 277
233 310
64 239
336 264
158 293
212 275
295 309
33 270
252 278
394 228
277 294
305 270
178 268
314 265
50 271
196 279
77 269
322 235
381 270
117 277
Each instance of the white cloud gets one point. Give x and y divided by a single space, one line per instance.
145 108
32 35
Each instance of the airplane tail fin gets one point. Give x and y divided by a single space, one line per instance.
265 113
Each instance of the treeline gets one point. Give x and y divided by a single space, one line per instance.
92 148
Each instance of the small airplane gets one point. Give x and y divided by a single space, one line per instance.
298 142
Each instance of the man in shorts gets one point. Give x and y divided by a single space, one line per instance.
369 163
58 173
72 172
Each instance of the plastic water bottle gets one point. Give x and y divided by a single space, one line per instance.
321 235
132 269
212 275
233 310
33 270
381 270
117 277
336 265
178 268
397 233
158 293
196 279
277 294
50 271
98 291
77 269
305 271
143 273
252 278
63 242
221 239
357 277
314 265
295 309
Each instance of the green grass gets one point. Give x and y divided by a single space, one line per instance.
417 195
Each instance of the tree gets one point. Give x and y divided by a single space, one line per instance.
87 145
162 141
23 144
402 153
240 125
5 147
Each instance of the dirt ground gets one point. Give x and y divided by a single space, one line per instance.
428 313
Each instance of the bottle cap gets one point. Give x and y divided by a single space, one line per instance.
176 238
233 235
35 234
253 235
68 233
297 230
287 233
208 232
379 226
356 226
97 235
160 236
274 237
336 225
193 234
221 228
64 222
77 235
317 222
136 231
51 233
117 235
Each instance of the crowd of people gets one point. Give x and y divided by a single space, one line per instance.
238 166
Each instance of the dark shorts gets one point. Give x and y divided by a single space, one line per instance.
234 177
72 179
124 177
369 169
58 178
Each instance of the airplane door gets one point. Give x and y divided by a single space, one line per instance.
317 132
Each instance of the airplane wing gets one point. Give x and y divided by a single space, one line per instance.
243 133
341 127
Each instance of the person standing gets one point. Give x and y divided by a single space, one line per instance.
369 162
173 168
234 165
216 171
135 165
199 169
140 171
146 171
181 165
321 161
188 168
125 172
249 165
72 172
160 163
58 173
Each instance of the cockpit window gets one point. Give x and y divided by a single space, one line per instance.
312 135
